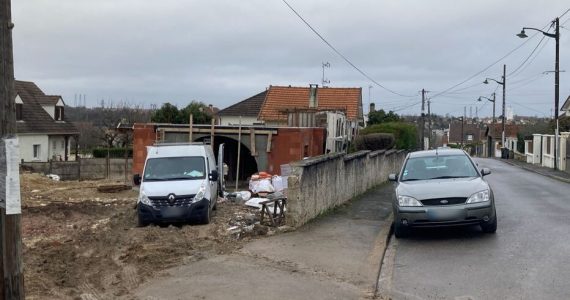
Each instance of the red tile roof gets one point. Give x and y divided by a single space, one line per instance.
281 98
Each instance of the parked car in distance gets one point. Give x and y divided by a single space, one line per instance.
180 183
442 187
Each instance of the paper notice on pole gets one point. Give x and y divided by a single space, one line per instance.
12 180
2 174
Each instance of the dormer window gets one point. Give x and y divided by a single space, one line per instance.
59 113
19 108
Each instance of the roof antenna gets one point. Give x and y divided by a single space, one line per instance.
325 80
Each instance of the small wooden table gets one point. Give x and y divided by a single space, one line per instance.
276 218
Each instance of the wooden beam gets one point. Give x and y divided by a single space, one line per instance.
218 130
252 141
269 137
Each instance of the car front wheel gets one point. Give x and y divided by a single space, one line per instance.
490 227
400 231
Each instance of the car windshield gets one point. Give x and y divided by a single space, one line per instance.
174 168
438 167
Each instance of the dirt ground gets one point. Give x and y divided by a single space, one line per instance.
82 244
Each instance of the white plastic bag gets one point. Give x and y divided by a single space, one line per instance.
263 186
278 183
245 195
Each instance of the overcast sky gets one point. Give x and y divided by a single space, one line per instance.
223 51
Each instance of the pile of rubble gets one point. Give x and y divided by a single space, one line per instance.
262 187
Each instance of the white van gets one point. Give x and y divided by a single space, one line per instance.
180 183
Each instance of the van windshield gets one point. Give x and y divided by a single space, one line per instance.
174 168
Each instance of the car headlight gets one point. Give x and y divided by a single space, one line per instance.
408 201
144 199
200 195
482 196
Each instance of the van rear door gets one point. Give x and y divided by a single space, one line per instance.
221 181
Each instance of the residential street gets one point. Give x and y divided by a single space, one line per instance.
336 256
526 259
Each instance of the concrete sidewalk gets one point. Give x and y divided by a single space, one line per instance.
334 257
555 174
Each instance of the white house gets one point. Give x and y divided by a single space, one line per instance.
42 130
566 108
247 111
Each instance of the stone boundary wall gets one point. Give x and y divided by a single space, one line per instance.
90 168
324 182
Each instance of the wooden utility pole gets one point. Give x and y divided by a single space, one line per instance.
429 124
238 154
12 286
423 122
190 137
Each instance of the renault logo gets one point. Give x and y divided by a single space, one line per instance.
444 201
171 198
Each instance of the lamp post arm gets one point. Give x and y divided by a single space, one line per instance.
501 83
552 35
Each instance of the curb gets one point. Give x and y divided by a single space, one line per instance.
537 172
382 241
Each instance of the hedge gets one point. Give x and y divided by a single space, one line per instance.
374 141
405 134
113 152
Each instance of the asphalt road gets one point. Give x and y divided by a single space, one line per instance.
528 257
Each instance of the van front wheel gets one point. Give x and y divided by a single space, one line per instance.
206 216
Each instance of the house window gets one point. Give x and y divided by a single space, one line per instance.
59 113
54 145
62 145
469 137
36 151
19 107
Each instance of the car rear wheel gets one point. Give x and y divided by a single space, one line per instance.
400 231
490 227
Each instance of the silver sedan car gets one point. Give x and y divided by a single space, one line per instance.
442 187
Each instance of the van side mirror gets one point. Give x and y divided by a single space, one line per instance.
214 175
393 177
485 171
137 179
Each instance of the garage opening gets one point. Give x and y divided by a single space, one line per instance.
247 164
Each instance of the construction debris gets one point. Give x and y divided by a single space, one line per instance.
113 188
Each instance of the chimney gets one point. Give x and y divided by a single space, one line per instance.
313 101
372 107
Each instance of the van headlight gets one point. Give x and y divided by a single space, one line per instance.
482 196
144 199
200 195
408 201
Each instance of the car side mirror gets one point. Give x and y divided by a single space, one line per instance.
393 177
485 171
137 179
214 175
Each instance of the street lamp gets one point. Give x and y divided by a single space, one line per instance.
504 84
494 121
556 36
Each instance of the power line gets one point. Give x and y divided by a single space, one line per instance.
527 107
342 56
510 75
409 106
562 15
488 67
